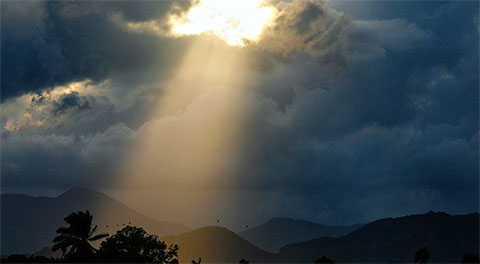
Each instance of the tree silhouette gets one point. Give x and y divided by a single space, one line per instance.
74 240
197 262
422 256
324 260
243 261
134 245
471 258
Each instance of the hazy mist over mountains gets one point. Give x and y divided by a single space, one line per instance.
281 231
31 223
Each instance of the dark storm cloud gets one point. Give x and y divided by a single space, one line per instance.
64 161
394 132
352 118
52 43
139 11
367 174
70 101
306 26
309 14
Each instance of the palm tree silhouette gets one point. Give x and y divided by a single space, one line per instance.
77 237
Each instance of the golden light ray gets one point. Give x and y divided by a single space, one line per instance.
189 144
184 156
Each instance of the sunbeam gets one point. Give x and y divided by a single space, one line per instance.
190 142
233 21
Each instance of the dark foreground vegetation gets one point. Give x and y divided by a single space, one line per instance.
133 244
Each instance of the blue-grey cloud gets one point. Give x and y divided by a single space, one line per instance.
70 41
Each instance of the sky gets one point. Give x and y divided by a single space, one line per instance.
338 112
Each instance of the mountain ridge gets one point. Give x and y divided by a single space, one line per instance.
215 244
22 215
280 231
447 237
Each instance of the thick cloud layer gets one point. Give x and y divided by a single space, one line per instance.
354 113
72 41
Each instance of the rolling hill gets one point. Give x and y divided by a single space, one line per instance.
282 231
217 245
446 237
28 223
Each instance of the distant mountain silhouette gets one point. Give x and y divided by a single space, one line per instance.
47 252
217 245
446 237
28 224
282 231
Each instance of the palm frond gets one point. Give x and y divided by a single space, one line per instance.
93 230
99 236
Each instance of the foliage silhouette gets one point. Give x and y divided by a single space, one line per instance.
324 260
243 261
422 256
197 262
16 258
471 258
74 240
134 245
